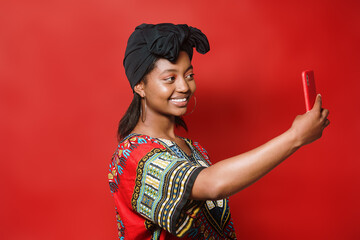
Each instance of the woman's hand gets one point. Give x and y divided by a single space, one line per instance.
309 126
236 173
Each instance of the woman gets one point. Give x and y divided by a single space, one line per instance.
163 184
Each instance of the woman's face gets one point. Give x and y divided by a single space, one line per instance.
169 86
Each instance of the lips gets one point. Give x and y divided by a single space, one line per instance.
180 102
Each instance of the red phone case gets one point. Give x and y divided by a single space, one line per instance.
309 88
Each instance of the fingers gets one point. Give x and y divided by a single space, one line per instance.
324 114
323 118
318 103
327 122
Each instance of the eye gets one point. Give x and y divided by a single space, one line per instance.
190 76
170 79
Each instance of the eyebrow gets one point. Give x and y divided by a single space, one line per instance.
174 70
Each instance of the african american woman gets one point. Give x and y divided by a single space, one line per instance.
164 185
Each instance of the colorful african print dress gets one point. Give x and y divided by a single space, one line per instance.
151 181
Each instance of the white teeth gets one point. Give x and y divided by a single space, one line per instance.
178 99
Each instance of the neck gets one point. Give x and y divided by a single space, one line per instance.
157 125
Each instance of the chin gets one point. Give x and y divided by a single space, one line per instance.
179 113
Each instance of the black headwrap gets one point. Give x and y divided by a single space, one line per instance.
149 42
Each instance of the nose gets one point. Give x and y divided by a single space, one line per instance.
182 85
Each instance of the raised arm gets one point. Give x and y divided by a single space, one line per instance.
231 175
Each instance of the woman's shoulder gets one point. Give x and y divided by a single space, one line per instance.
136 145
137 139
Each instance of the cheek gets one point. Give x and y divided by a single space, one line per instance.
163 91
159 92
192 86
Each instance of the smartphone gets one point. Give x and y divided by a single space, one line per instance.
309 88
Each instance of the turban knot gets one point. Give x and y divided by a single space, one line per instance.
149 42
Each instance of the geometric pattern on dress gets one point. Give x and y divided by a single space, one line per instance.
215 213
120 226
160 189
159 193
119 158
218 213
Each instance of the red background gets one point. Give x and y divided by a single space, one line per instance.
63 91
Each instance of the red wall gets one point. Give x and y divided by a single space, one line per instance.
63 91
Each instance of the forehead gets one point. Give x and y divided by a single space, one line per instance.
182 63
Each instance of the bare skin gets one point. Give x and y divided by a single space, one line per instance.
166 92
167 81
236 173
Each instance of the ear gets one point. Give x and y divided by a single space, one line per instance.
139 89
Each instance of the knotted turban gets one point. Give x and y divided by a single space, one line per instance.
149 42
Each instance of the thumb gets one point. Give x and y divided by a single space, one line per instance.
318 103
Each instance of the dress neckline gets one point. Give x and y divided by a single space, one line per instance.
164 140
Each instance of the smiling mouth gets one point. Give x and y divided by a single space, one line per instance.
178 99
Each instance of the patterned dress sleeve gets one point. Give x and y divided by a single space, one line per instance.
157 184
151 181
162 188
